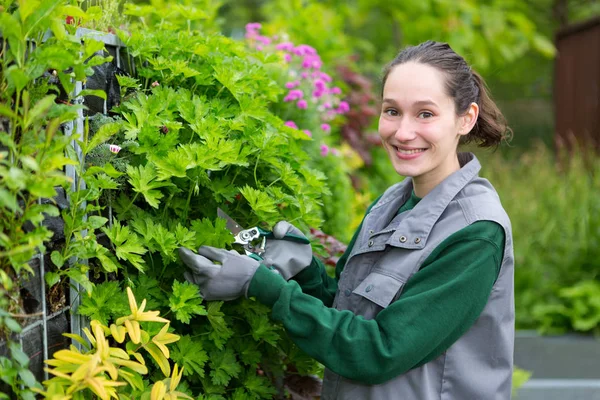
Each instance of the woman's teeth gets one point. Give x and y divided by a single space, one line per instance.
410 151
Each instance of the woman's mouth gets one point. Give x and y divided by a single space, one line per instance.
408 151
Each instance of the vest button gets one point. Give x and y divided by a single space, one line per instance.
402 239
369 288
418 240
370 243
347 292
371 231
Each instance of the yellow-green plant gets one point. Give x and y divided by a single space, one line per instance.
114 368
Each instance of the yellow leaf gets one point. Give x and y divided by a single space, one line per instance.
137 367
132 303
133 328
138 357
58 373
97 387
179 395
150 316
175 378
142 306
118 333
81 372
160 359
72 356
78 339
119 353
158 391
90 337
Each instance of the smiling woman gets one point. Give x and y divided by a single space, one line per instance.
421 305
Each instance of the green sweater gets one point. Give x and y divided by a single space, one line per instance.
439 303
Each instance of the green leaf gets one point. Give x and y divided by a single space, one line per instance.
543 45
52 278
142 180
106 302
259 386
57 259
105 132
220 330
189 353
262 328
12 325
18 355
185 301
260 201
93 92
96 221
224 366
216 235
9 200
127 243
40 108
27 377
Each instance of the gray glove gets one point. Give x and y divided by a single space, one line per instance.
289 251
227 281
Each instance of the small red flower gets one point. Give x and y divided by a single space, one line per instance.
164 129
70 20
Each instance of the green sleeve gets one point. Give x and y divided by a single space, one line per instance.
438 305
314 279
315 282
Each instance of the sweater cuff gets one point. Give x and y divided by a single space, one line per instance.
310 274
266 285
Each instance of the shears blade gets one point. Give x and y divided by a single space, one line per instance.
233 226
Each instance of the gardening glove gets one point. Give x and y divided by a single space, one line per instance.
288 251
227 281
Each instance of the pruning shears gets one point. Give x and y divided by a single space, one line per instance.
253 240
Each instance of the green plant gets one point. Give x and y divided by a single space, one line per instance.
520 377
553 202
106 367
14 371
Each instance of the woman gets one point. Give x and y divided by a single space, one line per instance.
421 306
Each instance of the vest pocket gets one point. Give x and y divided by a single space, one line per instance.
379 288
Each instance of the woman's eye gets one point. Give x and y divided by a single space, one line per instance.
425 114
391 112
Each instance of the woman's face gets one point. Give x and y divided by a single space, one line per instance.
418 123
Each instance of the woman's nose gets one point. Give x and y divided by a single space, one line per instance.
404 131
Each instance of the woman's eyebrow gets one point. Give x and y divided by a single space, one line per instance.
416 103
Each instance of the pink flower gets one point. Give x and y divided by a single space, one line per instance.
291 124
285 46
114 148
320 85
308 133
324 150
264 40
292 84
155 84
304 75
252 26
318 93
325 77
294 95
326 127
304 50
335 152
259 47
327 104
302 104
287 57
335 90
343 107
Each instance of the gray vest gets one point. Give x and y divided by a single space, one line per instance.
389 249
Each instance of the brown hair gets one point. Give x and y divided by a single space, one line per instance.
464 85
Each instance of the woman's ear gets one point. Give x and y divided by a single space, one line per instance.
468 119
